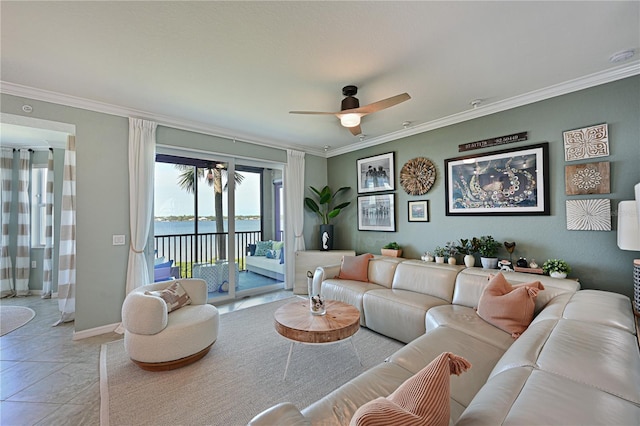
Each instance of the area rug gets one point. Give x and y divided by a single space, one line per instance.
14 317
241 376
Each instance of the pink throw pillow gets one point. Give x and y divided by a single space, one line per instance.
422 399
508 307
355 267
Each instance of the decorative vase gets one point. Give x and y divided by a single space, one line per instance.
451 260
489 262
316 305
556 274
439 259
326 237
469 260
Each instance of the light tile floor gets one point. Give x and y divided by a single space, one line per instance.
46 378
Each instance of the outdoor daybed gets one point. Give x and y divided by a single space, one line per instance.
576 363
266 258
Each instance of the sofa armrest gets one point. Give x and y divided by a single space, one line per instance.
283 414
143 314
196 288
324 273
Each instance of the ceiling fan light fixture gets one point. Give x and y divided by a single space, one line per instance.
350 120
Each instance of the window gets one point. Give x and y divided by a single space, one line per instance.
38 206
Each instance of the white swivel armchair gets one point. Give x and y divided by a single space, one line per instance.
157 340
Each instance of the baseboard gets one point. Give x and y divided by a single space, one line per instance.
109 328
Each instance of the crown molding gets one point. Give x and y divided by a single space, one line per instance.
570 86
592 80
163 120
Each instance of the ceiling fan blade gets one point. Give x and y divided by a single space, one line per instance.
380 105
355 131
313 112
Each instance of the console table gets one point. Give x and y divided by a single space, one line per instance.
309 260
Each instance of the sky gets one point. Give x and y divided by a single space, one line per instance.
171 200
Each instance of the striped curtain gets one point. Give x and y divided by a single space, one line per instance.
47 264
23 248
67 251
6 266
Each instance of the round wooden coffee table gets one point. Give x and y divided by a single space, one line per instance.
295 322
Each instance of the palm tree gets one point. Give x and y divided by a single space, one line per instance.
215 172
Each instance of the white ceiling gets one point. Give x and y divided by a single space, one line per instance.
237 68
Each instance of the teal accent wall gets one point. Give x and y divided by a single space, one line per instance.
594 256
102 196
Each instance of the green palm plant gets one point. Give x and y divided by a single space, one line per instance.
323 205
214 174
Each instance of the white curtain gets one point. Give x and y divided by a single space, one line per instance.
67 251
6 266
142 151
47 263
294 209
23 247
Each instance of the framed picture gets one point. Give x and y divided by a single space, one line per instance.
419 211
500 183
376 213
376 173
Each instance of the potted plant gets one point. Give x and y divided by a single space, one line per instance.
468 248
439 253
324 208
556 268
451 249
392 249
488 248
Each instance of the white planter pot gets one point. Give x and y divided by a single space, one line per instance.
558 274
469 260
439 259
451 260
489 262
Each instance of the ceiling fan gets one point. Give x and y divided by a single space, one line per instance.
351 112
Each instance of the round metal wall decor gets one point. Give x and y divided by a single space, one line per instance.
417 176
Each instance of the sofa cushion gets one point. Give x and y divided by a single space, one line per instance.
398 313
601 307
262 247
467 320
510 308
355 267
339 406
422 399
348 291
483 356
426 278
525 396
175 296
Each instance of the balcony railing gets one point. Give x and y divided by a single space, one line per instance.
187 249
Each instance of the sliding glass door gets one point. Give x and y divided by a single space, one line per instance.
209 213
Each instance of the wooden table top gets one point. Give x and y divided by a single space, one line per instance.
295 322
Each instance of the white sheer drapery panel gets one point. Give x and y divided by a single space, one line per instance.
142 153
23 245
293 205
6 266
67 251
47 263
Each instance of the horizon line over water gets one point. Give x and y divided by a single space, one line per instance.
183 227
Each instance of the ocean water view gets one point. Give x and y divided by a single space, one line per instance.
163 227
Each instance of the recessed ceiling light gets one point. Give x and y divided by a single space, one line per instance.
623 55
406 124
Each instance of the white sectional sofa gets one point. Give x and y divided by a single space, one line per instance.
577 363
